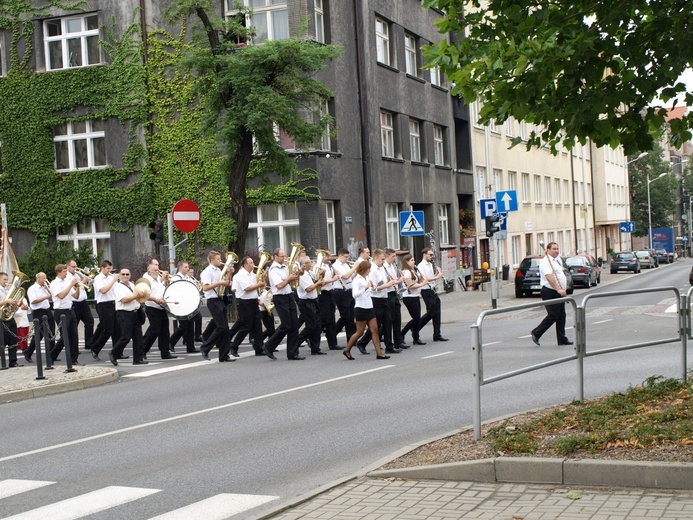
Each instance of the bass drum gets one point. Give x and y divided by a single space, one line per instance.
182 299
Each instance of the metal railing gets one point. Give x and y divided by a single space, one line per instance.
684 332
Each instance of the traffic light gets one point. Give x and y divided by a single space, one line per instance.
493 224
157 234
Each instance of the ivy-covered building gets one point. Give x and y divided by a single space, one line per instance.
98 136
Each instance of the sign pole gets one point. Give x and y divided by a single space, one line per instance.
171 245
492 264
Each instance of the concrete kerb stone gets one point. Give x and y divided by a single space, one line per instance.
21 383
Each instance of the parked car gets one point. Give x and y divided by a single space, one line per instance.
582 270
662 256
690 277
645 258
527 278
595 265
625 261
654 256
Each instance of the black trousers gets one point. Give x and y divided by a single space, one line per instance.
82 312
72 335
38 314
107 327
185 330
158 329
413 305
394 306
285 305
130 329
327 317
554 314
345 304
433 310
268 323
219 335
250 322
382 314
197 320
313 325
9 332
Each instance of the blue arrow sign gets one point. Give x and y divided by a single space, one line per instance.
627 227
506 200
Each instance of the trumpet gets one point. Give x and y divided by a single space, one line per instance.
196 283
165 276
231 258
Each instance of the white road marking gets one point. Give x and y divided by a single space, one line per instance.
217 507
436 355
87 504
603 321
673 308
190 414
11 487
491 343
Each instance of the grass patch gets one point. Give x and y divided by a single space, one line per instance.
657 412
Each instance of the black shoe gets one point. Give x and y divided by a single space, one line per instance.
141 362
269 354
348 355
124 357
200 339
337 347
227 359
440 338
382 357
170 356
172 348
193 351
419 342
204 353
144 356
362 350
403 346
234 353
535 340
27 357
318 353
14 364
260 354
393 350
95 355
566 342
113 359
296 358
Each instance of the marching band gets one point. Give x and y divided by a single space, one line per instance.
303 291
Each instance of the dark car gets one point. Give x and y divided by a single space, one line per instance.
582 270
527 278
625 261
662 256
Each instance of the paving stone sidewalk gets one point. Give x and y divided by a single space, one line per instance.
382 499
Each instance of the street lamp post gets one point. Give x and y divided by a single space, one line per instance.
649 207
626 183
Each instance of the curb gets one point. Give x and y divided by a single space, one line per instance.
79 383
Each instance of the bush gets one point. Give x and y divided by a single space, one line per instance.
44 258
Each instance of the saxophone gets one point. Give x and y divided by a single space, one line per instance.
294 268
231 258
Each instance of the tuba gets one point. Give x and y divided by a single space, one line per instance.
318 271
294 268
231 258
260 269
16 294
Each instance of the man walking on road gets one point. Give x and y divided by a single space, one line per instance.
553 285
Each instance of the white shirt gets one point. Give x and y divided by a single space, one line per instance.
121 291
545 268
426 270
21 316
241 281
35 292
210 275
362 296
305 281
328 275
340 268
157 291
379 278
411 293
82 291
391 270
277 274
58 286
101 281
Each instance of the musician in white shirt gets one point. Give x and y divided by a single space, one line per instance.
128 316
327 305
308 305
65 290
394 304
285 304
341 292
40 297
105 307
186 328
429 295
211 279
245 287
80 306
156 313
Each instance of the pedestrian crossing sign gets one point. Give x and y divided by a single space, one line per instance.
411 223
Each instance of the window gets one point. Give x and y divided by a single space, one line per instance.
525 187
319 24
270 19
566 192
272 226
387 134
516 251
72 42
325 142
438 146
410 53
537 189
497 180
512 181
437 77
443 225
1 59
557 191
90 232
482 188
509 127
547 190
392 224
80 145
522 134
588 194
382 41
476 110
331 226
415 140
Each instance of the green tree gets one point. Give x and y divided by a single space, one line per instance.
247 92
662 191
578 69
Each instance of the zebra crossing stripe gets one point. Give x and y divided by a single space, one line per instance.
87 504
217 507
11 487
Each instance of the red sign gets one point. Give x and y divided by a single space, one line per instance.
186 216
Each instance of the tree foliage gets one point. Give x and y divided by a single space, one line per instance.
662 191
246 93
578 69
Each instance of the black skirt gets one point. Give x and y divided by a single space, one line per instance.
361 314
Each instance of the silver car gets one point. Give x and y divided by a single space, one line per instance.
645 258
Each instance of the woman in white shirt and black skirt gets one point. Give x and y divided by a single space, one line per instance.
363 311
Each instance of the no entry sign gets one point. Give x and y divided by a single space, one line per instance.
186 216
